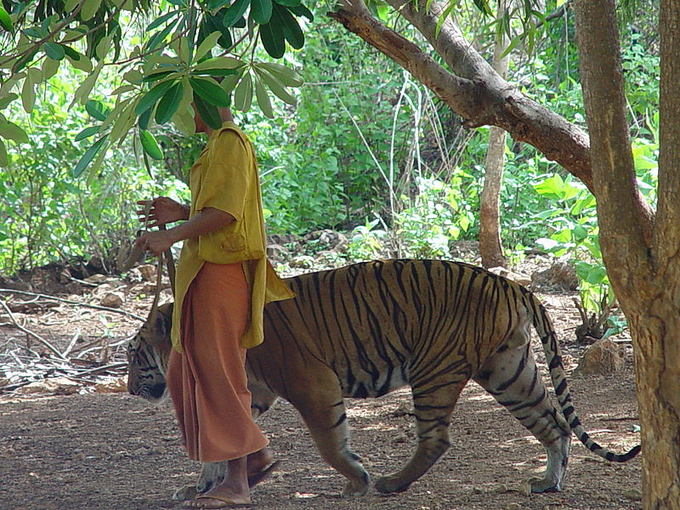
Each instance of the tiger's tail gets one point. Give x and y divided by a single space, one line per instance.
548 337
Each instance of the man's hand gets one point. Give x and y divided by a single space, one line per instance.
161 210
156 242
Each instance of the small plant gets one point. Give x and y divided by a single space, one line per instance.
367 242
437 216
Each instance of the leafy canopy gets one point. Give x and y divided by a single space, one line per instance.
167 54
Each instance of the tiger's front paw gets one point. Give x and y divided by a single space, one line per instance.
539 485
186 493
389 484
356 488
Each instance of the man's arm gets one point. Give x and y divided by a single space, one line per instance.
206 221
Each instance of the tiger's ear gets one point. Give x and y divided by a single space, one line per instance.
166 309
163 321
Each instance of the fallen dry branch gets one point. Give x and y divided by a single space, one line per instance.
72 302
53 349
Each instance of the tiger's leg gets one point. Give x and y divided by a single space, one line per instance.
512 378
433 407
324 415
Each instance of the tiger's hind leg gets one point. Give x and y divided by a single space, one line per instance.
512 378
433 407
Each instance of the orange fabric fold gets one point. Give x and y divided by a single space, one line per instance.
207 382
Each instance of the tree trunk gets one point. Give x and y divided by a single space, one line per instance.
490 246
645 277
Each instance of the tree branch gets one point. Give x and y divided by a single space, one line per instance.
474 90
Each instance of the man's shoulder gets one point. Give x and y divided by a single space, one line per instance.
231 130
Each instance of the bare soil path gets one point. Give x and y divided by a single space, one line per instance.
112 451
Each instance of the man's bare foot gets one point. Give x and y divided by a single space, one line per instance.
226 495
232 492
259 460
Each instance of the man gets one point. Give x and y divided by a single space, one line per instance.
222 284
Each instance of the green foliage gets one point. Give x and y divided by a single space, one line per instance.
50 216
440 213
573 231
171 52
359 144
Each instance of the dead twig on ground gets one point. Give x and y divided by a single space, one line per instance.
77 303
53 349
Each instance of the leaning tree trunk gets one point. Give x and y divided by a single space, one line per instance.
644 271
471 88
490 246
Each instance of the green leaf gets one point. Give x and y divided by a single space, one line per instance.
96 110
150 145
89 9
275 86
34 33
287 76
243 95
220 63
273 40
157 75
291 30
219 72
4 158
301 10
87 158
5 21
263 99
207 45
144 118
86 133
28 94
235 12
159 37
5 101
214 5
54 51
24 61
210 91
159 21
214 24
261 10
11 131
288 3
82 63
169 103
150 98
208 112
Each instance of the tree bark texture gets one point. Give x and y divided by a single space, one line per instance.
490 245
645 275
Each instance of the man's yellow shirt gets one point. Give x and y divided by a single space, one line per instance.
225 177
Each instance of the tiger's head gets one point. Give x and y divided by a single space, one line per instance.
148 354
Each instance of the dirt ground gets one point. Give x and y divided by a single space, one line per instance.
112 451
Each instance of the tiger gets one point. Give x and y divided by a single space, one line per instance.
367 329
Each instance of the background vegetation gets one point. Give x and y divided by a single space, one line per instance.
366 150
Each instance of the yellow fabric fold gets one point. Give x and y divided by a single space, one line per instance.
225 177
